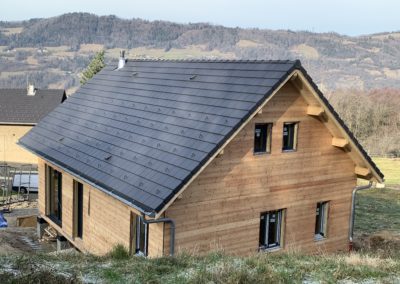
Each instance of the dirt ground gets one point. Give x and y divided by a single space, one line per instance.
21 240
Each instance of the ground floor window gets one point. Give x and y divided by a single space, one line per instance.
271 227
54 194
321 222
139 235
78 209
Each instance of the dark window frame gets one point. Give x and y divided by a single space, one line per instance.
53 211
321 220
290 144
78 209
139 236
266 138
272 241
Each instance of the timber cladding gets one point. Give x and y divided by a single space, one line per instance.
222 207
106 220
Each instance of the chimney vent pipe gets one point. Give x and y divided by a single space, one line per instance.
31 91
121 62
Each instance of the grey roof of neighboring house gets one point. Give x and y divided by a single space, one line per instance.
16 107
141 132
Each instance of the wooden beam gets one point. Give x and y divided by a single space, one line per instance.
259 112
340 142
315 110
361 171
221 152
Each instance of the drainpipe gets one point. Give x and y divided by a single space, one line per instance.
353 208
172 234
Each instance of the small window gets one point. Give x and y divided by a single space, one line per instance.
78 209
262 138
290 130
139 235
321 221
271 229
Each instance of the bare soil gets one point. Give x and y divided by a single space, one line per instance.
22 240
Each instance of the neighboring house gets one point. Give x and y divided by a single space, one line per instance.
20 110
240 155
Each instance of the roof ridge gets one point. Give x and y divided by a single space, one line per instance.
199 60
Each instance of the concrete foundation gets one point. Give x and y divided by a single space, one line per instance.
62 243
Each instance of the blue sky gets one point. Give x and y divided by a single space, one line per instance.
351 17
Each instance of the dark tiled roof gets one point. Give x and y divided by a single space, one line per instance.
143 131
16 107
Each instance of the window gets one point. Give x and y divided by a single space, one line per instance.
321 221
139 235
54 194
262 138
290 130
78 209
271 229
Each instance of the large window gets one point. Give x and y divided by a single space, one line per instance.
321 222
139 235
54 194
290 130
271 226
78 209
262 138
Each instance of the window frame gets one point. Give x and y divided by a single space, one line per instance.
50 173
264 244
78 209
139 236
295 136
321 222
268 138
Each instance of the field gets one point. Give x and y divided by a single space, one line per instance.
391 170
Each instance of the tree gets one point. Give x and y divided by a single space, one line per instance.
94 67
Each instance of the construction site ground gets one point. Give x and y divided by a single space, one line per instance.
22 239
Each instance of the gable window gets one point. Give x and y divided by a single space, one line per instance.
262 138
321 220
54 194
139 235
271 229
290 130
78 209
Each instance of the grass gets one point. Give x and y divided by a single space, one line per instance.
212 268
390 168
377 210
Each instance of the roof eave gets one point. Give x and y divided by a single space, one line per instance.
376 173
91 183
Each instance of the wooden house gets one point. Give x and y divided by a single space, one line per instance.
157 155
20 110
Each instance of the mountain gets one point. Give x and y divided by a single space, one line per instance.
53 51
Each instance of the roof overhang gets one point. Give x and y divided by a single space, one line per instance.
19 123
136 208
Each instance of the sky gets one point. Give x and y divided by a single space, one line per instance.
349 17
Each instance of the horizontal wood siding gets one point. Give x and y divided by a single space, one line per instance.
106 220
221 208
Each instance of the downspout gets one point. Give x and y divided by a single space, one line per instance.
353 208
172 232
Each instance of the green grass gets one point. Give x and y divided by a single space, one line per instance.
390 168
377 210
212 268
